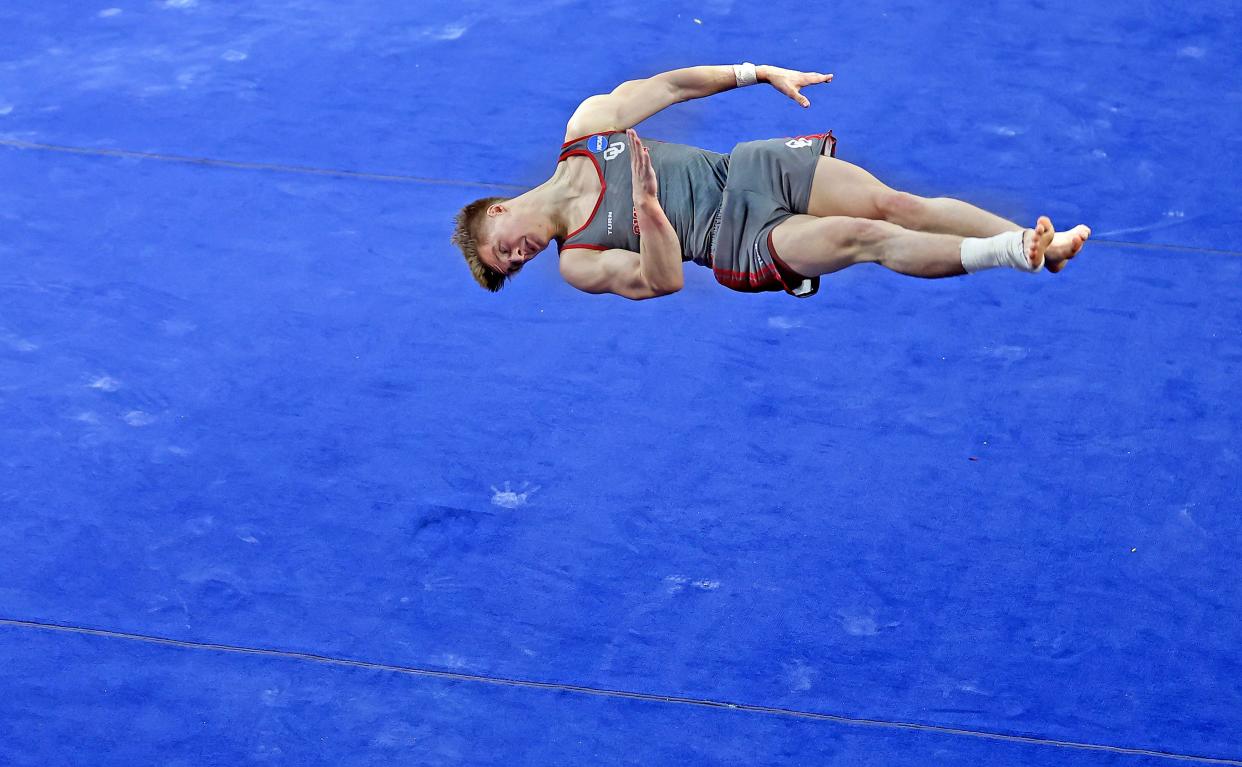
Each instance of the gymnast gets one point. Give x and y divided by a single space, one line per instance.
774 214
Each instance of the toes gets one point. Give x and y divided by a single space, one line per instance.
1042 240
1067 246
1034 247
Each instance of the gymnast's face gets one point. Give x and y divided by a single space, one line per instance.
512 238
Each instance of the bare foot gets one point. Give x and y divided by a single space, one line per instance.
1065 245
1036 241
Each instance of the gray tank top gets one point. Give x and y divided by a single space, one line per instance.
691 182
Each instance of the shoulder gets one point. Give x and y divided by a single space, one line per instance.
596 114
627 105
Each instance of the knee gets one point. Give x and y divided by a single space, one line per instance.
901 208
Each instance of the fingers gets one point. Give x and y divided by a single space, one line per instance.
637 150
644 177
640 158
792 86
795 92
813 78
640 151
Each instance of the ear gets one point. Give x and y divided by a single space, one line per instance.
496 209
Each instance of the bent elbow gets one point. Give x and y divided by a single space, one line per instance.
667 290
649 292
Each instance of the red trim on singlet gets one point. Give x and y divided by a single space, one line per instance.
775 276
596 133
745 281
783 269
603 187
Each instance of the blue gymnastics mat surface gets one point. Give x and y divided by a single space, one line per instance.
143 704
252 404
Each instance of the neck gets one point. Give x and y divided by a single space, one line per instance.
552 200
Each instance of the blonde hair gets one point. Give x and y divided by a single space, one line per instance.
464 237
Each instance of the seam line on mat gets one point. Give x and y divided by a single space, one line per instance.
407 179
625 694
239 165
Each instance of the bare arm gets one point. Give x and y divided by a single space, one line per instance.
633 101
658 244
608 271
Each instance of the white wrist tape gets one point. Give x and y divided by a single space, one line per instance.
745 74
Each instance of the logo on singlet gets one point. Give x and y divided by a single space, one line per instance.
599 143
798 143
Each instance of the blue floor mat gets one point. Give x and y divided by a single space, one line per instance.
145 704
265 407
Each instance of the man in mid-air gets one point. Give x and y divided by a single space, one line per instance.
774 214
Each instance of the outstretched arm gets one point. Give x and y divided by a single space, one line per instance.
633 101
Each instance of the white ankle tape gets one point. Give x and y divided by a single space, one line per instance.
1004 249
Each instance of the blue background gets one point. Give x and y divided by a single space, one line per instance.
266 408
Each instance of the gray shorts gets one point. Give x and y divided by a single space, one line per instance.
768 182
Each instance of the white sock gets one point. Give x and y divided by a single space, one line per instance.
1004 249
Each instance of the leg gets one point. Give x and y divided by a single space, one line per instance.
842 189
815 246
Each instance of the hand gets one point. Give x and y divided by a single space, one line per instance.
790 83
645 185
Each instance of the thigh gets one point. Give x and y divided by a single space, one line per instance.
812 246
843 189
